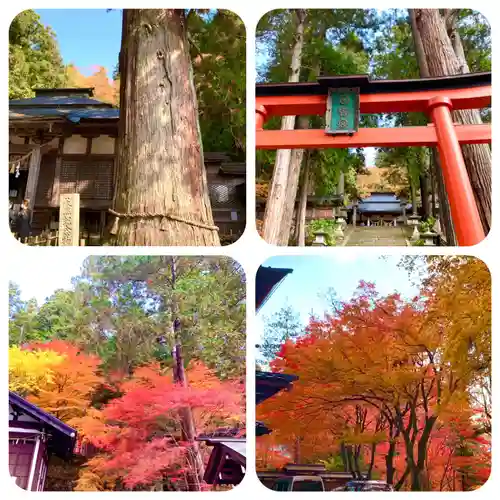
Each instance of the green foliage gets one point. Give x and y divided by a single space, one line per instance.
218 51
418 243
334 464
427 225
328 164
34 58
335 42
23 320
475 33
406 165
123 309
326 226
281 326
207 295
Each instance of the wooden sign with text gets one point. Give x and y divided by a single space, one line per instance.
69 220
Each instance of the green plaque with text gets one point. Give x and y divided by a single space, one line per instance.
342 111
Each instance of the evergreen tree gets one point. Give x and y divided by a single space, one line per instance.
34 58
283 325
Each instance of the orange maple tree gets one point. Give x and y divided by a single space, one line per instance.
105 89
67 394
384 382
129 428
139 436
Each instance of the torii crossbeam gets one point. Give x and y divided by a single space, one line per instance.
436 97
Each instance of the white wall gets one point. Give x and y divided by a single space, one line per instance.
75 145
103 145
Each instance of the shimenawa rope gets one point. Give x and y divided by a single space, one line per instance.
149 215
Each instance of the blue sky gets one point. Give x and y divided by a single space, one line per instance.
43 273
87 37
313 275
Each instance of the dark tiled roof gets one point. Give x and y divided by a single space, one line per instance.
268 384
381 203
53 101
70 104
268 278
63 436
368 86
68 91
233 168
227 462
73 115
261 429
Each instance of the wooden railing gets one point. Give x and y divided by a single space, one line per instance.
44 239
230 231
51 239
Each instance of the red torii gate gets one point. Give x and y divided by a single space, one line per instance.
434 96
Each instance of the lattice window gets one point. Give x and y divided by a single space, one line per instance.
92 179
222 194
68 179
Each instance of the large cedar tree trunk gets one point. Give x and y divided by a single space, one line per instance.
296 160
442 60
302 209
160 166
196 469
435 165
277 197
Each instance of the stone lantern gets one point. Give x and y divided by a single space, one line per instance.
319 239
414 220
429 238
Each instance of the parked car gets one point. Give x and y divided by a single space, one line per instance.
299 483
360 485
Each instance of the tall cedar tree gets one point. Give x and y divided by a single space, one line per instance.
277 198
161 181
445 55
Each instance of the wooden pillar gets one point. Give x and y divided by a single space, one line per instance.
56 189
260 117
69 220
34 462
464 211
354 213
102 224
33 174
